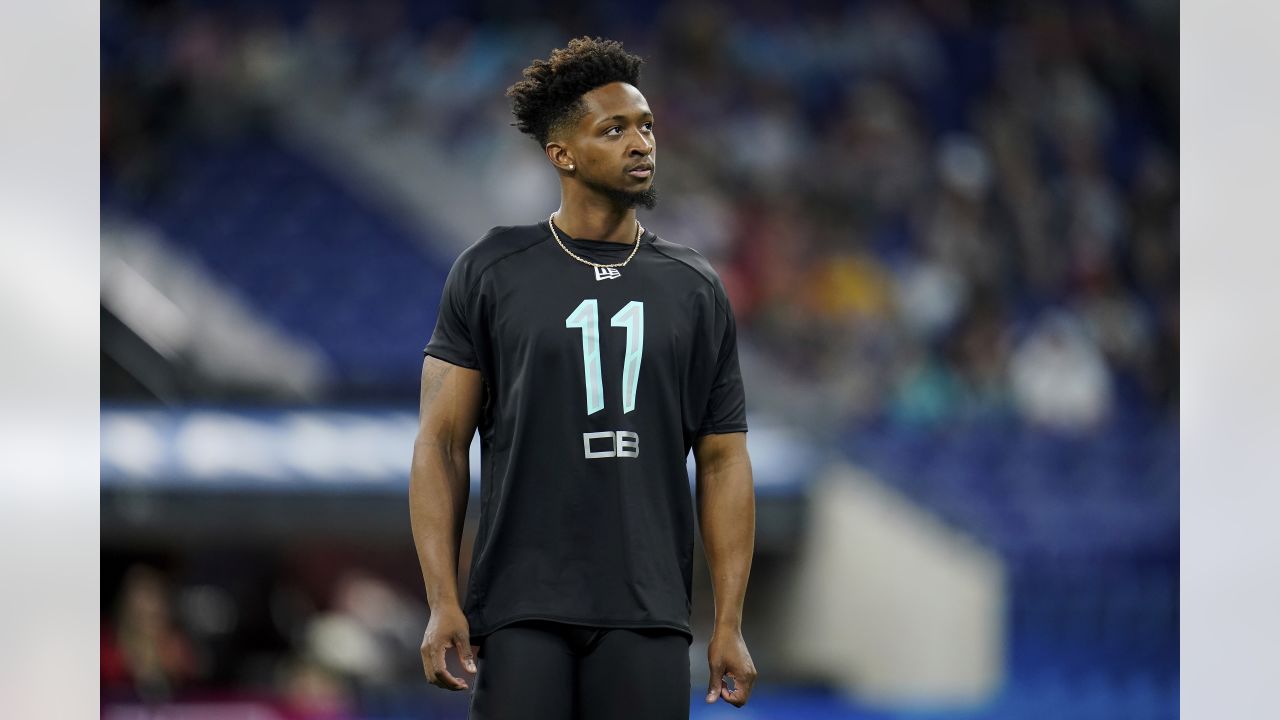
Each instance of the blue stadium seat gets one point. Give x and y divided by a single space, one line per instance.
308 255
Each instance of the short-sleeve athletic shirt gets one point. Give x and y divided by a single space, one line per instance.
596 383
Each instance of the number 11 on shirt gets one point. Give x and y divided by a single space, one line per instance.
586 317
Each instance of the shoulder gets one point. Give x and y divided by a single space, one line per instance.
693 260
497 245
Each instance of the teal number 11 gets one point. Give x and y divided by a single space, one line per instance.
586 317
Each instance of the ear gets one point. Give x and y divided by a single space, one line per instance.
561 157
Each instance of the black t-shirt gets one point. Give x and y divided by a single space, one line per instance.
596 385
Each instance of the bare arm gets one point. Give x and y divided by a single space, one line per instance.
439 484
727 514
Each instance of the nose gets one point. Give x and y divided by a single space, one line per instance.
643 147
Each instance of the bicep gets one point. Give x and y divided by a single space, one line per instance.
450 402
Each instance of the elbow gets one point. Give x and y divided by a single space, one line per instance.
433 450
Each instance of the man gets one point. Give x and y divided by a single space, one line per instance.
592 355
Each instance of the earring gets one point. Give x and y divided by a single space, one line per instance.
571 167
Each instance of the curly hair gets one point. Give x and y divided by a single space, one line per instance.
550 95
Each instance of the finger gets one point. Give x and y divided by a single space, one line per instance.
445 679
429 665
735 696
744 686
463 644
442 672
713 688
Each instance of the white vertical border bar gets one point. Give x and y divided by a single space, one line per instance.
1230 391
49 525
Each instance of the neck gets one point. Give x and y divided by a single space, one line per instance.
586 215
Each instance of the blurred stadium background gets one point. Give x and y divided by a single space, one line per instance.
949 232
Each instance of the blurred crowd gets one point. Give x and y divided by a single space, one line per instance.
299 634
932 211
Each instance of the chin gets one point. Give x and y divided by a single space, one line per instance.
646 196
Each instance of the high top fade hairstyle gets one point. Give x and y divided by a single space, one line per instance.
549 98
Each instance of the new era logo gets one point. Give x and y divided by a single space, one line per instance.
607 273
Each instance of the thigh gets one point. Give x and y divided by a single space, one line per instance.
523 670
635 674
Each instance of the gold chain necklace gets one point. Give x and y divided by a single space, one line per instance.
636 246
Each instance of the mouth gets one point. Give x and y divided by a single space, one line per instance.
641 171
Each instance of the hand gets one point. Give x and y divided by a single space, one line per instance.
447 628
727 655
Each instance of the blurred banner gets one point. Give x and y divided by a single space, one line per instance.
314 449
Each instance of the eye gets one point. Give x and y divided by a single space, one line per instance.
610 131
648 126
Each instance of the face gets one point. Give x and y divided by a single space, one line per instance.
612 145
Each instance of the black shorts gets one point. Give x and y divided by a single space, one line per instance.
557 671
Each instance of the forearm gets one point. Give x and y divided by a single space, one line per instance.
439 484
727 514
